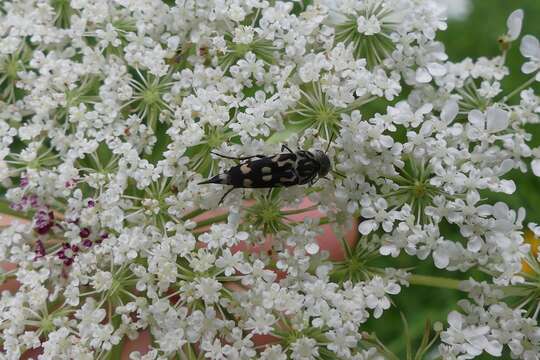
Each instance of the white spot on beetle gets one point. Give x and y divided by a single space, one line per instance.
266 170
245 169
247 182
267 177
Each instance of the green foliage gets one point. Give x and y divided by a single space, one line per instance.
474 37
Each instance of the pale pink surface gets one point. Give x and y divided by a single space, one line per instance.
327 241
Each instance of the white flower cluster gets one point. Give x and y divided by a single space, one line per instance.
110 114
489 324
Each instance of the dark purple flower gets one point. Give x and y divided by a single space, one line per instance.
24 181
43 221
84 233
62 253
87 243
68 253
91 203
34 201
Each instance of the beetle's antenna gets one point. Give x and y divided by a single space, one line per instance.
225 195
236 158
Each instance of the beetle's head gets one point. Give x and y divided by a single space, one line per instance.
324 162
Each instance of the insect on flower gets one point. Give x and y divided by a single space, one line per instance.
281 170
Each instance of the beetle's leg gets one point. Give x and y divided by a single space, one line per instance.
238 158
314 180
338 173
223 197
285 147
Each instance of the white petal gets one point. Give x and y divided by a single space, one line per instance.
449 111
436 69
476 118
366 227
424 109
529 67
393 289
312 248
440 256
514 23
387 225
484 210
494 348
386 141
530 47
507 186
506 166
497 119
455 320
368 212
500 212
423 76
535 165
389 250
534 228
426 128
474 245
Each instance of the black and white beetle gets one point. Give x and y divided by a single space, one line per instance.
284 169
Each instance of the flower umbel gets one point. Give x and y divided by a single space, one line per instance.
112 112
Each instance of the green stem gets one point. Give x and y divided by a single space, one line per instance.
193 214
299 211
322 221
434 281
211 221
517 90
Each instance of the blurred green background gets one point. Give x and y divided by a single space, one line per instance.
473 36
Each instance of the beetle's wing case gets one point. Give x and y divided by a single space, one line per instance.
270 171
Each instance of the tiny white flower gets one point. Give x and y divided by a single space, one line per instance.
514 23
304 348
208 289
471 340
493 121
370 26
260 321
535 165
530 48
